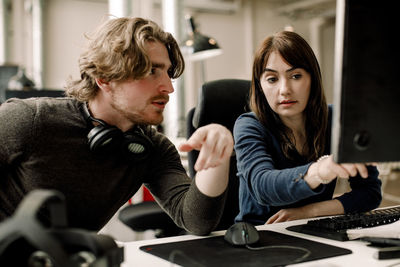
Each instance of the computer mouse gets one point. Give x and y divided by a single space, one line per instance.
241 234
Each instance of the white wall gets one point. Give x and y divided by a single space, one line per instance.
239 33
65 23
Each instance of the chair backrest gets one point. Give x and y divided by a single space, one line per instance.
220 101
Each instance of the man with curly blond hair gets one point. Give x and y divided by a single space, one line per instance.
97 145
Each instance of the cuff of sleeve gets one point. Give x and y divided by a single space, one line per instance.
299 178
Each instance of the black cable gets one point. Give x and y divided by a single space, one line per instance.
177 252
299 259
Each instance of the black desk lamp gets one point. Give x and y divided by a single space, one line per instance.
198 46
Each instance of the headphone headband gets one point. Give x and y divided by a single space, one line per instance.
105 137
88 117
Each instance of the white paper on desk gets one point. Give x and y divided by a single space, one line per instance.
391 230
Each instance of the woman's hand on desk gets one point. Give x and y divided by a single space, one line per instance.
323 208
285 215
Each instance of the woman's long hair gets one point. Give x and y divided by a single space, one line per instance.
297 53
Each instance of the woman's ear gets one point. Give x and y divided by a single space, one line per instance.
102 84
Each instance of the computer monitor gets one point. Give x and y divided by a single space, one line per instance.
366 118
35 93
6 72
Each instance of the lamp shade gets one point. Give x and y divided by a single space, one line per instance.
199 46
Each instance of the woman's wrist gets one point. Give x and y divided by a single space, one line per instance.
318 177
313 177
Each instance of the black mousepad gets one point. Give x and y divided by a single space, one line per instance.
215 251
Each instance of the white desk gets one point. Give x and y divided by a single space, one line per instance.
362 254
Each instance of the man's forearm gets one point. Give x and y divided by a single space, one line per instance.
213 181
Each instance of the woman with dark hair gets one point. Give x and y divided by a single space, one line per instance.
283 146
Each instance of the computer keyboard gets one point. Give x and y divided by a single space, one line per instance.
335 227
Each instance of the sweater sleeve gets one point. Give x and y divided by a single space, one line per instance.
365 194
256 151
16 131
178 194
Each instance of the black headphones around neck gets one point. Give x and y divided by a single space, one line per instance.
105 138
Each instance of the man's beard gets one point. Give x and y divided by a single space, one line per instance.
136 118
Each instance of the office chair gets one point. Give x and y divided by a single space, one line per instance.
148 215
220 101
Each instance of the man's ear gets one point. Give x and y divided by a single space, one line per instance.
102 84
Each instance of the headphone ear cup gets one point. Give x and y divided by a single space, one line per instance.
137 143
104 138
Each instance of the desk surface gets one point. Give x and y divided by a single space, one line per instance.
362 254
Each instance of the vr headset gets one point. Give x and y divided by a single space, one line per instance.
26 240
